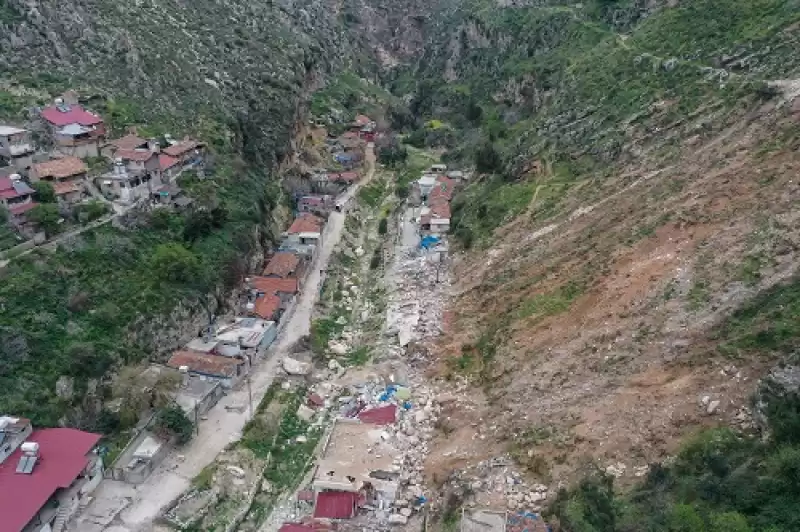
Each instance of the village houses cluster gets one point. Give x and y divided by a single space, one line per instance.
45 473
134 169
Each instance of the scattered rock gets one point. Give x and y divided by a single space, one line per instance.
296 367
237 472
305 413
398 519
712 407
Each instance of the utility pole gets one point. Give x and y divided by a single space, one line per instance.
250 396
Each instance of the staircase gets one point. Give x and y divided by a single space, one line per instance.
65 511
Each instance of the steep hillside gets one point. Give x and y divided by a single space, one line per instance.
237 75
630 245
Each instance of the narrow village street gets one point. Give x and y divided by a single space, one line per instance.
121 507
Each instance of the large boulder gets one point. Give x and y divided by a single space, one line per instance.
296 367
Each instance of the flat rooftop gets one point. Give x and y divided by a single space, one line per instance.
355 454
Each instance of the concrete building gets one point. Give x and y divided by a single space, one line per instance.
77 140
43 474
305 230
357 460
16 148
66 174
227 370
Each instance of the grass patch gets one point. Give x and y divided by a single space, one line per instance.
322 331
551 303
358 357
769 323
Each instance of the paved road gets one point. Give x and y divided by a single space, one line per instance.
143 503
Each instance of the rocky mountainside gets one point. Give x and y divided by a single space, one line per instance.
629 265
238 75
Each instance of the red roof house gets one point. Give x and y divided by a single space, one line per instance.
347 177
266 307
63 114
274 285
383 415
166 162
336 505
203 364
63 457
128 142
282 264
306 223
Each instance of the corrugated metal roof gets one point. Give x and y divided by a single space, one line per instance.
336 505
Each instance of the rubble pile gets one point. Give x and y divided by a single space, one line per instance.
496 483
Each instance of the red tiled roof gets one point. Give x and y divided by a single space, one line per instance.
62 457
362 120
22 208
140 155
294 527
425 219
440 210
273 285
166 162
316 400
75 114
267 306
182 147
336 505
215 366
383 415
306 223
65 187
443 189
282 264
128 142
60 168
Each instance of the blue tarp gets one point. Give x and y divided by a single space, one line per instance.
429 241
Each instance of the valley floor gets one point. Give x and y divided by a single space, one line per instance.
121 507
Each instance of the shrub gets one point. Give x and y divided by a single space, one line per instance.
46 216
487 159
171 421
44 192
173 262
383 226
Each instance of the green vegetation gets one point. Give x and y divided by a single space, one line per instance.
349 94
44 192
47 217
276 434
172 422
767 325
373 193
551 303
322 331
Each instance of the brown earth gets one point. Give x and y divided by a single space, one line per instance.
604 316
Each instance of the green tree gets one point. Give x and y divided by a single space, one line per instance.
729 522
173 262
172 421
474 112
383 226
44 192
684 518
46 216
487 159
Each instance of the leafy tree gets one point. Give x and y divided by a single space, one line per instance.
684 518
487 159
3 215
474 112
173 422
729 522
46 216
173 262
92 210
45 193
383 226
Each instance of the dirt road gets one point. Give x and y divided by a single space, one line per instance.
121 507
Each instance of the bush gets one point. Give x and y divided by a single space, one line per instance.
171 421
45 193
173 262
383 226
487 159
46 216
